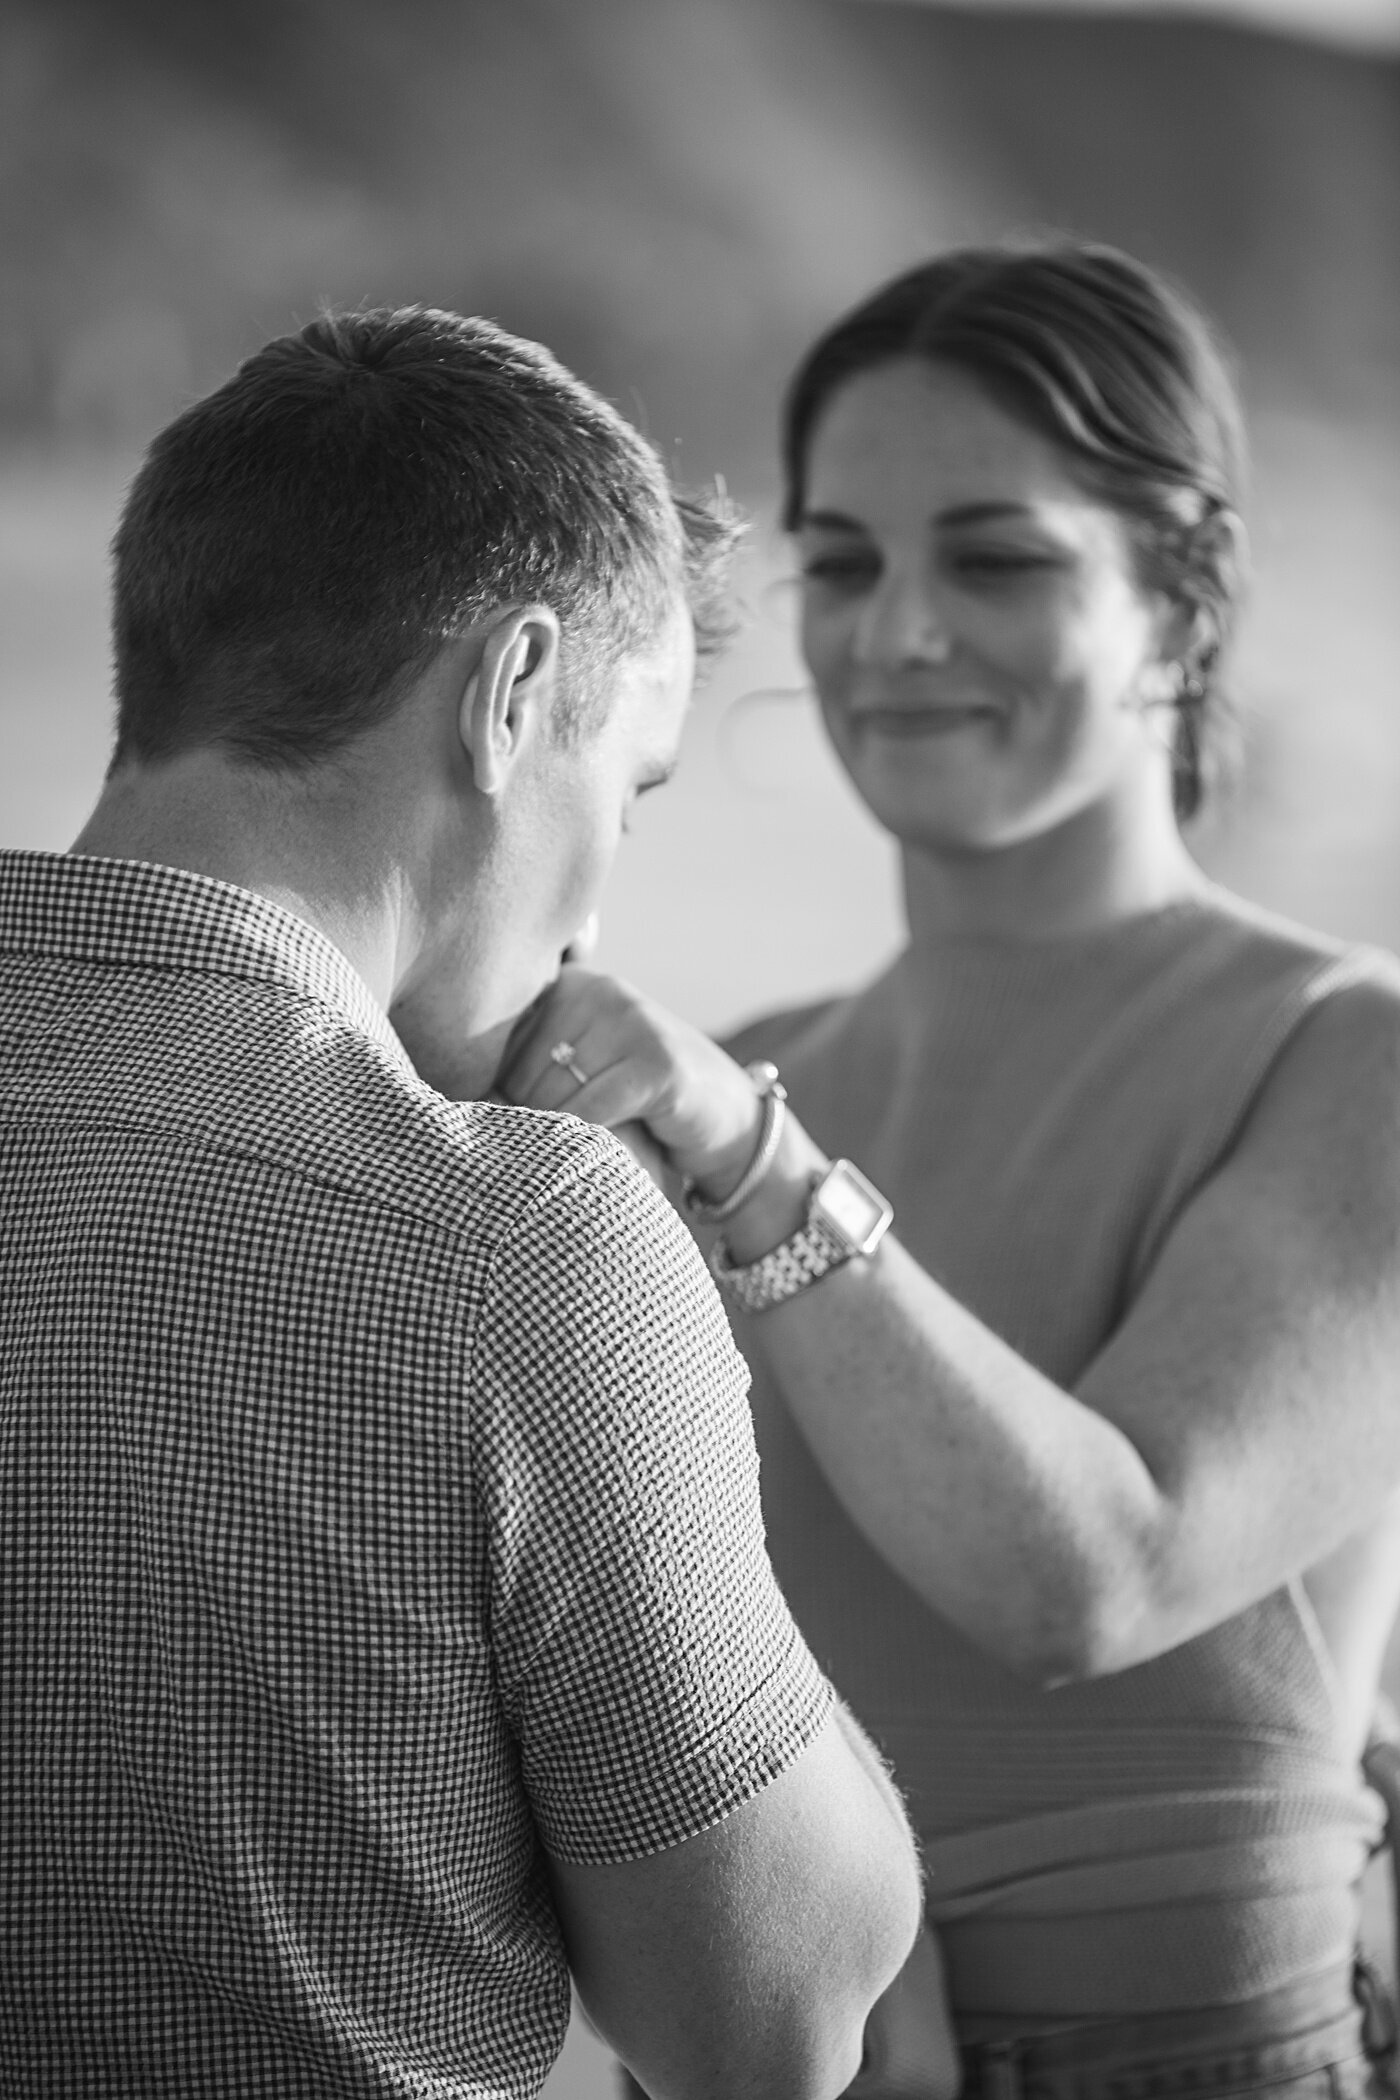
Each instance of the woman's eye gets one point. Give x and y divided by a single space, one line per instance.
996 564
848 571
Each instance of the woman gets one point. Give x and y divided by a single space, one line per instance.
1082 1476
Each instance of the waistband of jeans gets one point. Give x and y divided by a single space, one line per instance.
1308 2023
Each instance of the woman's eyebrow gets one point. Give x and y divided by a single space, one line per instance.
956 514
981 513
828 521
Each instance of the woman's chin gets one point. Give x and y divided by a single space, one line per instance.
953 825
969 810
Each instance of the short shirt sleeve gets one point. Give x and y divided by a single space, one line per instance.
651 1672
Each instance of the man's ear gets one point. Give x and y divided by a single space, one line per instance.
509 698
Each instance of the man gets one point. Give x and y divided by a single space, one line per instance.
386 1614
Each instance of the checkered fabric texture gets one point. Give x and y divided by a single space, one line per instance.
378 1501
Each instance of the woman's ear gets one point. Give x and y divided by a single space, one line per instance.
1223 542
1213 586
508 700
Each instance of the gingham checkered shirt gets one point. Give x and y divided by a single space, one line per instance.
377 1500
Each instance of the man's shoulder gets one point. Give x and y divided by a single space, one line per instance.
254 1085
473 1166
470 1170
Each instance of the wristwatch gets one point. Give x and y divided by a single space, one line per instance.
846 1216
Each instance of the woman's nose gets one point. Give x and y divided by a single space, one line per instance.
900 626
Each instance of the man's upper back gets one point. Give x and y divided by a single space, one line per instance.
367 1462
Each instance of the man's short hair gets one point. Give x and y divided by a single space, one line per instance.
297 545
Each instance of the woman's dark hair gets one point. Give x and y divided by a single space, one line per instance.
1115 367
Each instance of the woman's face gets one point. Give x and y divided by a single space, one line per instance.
986 662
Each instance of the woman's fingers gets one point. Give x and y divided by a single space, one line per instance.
581 1031
597 1049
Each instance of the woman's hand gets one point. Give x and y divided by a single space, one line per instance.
660 1084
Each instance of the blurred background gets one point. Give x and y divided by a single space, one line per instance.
675 195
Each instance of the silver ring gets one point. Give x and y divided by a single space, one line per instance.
565 1055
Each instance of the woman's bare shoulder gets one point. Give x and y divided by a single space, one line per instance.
1338 1076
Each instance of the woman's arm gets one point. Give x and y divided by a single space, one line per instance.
1241 1424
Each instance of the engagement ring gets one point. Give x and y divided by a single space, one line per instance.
564 1054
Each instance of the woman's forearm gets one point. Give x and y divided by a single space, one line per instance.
1013 1510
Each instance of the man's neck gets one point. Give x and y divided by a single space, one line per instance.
315 851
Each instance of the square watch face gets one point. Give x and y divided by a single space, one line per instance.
855 1208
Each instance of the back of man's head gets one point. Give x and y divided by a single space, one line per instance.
298 545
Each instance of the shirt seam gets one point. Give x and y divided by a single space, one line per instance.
576 1172
281 1169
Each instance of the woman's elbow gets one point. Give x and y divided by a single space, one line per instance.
1087 1633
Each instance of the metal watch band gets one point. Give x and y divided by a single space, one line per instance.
808 1254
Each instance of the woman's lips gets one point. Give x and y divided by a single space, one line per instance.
920 721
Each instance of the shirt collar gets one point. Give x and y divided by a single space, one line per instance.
133 915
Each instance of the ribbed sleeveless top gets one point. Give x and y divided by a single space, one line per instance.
1189 1831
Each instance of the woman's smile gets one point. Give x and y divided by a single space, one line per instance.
963 595
935 720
